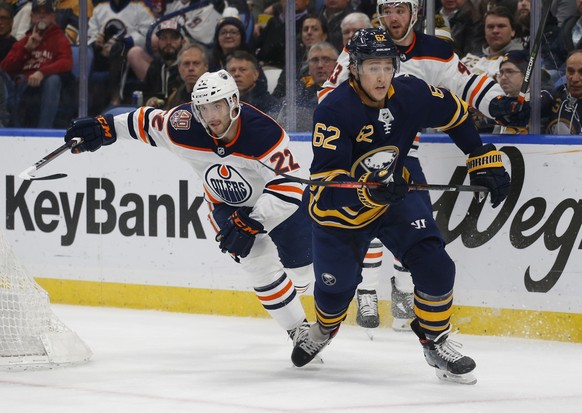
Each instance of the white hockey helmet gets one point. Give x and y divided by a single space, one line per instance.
212 87
413 4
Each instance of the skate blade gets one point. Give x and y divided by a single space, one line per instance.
401 324
467 378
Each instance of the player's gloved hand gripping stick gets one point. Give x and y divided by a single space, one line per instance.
238 234
84 134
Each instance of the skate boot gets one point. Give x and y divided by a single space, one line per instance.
440 353
307 343
402 308
367 309
301 329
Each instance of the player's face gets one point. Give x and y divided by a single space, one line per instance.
510 79
396 19
216 115
376 77
574 75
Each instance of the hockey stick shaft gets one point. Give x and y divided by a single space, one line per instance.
534 52
354 184
49 158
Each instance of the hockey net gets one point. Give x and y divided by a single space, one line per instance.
31 335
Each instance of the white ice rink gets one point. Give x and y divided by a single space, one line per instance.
148 361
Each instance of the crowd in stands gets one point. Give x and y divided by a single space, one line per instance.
161 47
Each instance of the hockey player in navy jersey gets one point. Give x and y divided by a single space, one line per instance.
432 60
363 132
255 212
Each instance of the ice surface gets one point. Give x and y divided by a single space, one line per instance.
148 361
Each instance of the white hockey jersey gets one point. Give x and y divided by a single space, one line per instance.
135 16
230 173
432 60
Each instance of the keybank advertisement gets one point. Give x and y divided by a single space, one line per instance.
134 214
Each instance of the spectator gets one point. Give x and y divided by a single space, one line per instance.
332 14
321 59
510 78
313 31
465 23
38 64
68 17
570 36
567 113
488 5
159 75
6 38
192 63
199 23
352 23
562 10
21 22
115 27
244 68
500 39
271 41
228 37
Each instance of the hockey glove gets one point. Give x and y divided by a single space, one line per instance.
94 132
486 168
392 190
507 110
238 234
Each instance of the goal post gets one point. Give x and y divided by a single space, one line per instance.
31 335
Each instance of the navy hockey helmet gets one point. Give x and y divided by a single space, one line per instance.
372 43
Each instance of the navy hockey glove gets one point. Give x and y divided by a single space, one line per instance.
392 190
507 110
486 169
238 234
93 131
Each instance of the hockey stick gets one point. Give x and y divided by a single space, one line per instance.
353 184
534 53
26 174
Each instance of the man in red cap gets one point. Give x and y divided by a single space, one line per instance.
37 64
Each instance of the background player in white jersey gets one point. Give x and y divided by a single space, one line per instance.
362 134
432 60
255 212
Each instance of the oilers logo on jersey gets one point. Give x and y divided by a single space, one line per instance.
228 184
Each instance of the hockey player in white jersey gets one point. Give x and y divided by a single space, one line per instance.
255 212
432 60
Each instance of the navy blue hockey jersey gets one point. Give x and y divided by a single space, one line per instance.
351 139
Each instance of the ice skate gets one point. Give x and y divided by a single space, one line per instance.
440 353
307 343
402 308
367 301
301 329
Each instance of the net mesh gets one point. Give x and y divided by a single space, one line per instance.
28 326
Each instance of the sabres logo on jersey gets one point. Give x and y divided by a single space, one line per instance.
228 184
380 158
